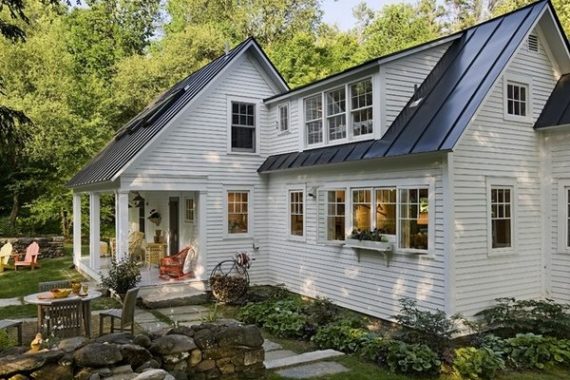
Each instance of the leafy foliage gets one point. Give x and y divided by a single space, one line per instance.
6 341
535 351
477 363
417 359
122 276
345 335
431 328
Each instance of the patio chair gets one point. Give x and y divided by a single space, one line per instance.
64 318
49 285
31 258
6 323
126 315
173 266
5 254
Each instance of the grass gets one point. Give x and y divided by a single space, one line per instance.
23 282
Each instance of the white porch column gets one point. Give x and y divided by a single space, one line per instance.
76 228
122 223
201 270
94 230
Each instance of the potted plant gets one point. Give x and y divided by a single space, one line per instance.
122 276
369 239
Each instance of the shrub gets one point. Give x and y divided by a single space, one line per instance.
122 276
344 335
433 329
477 363
6 341
510 317
320 311
417 359
286 324
535 351
280 317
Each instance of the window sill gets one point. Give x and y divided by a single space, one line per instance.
519 119
251 154
501 252
238 236
284 133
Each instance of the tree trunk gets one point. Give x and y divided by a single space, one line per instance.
15 209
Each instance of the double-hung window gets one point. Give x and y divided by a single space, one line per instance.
238 212
501 216
362 209
296 213
361 112
386 210
189 210
336 114
283 118
517 99
335 221
243 127
314 119
414 218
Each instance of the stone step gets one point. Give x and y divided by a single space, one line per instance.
312 370
306 357
165 296
278 354
271 346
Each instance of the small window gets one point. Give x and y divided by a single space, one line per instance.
336 117
532 43
296 212
517 99
238 212
243 127
501 217
314 119
414 218
189 211
361 101
361 210
336 215
283 118
386 211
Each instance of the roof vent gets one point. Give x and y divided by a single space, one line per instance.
533 43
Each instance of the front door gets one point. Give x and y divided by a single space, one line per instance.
173 215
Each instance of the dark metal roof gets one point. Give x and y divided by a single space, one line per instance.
138 132
557 109
439 112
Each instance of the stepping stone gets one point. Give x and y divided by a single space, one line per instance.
306 357
271 346
10 301
278 354
152 326
174 295
312 370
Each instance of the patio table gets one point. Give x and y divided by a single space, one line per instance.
42 299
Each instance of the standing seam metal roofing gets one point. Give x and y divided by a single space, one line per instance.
126 144
557 109
441 109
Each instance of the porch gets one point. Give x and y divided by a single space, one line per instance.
145 225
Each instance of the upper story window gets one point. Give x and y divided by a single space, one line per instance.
336 114
283 117
517 99
361 95
342 113
243 127
314 119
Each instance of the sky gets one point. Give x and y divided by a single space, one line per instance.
340 11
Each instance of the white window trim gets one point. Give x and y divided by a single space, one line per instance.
521 80
409 183
290 189
348 115
250 212
563 187
257 105
326 189
509 183
327 116
279 130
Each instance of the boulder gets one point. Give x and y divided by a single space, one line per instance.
72 344
249 336
172 344
142 340
135 355
205 339
53 372
97 355
182 330
10 365
152 374
116 338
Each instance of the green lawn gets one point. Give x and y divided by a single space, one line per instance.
25 281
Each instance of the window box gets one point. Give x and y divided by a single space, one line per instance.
384 247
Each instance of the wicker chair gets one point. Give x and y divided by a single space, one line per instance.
126 315
6 323
49 285
64 318
173 266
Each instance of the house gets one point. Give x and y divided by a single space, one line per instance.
457 150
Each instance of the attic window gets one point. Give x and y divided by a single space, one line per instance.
533 43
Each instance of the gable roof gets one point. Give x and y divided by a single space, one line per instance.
140 130
556 112
439 112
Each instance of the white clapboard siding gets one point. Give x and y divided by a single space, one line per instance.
557 145
368 286
197 146
403 74
495 147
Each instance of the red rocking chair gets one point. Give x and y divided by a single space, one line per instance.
173 266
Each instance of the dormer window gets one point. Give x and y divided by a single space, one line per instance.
336 117
314 119
361 94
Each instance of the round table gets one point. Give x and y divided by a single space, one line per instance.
41 299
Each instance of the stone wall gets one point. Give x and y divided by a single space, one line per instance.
50 246
207 351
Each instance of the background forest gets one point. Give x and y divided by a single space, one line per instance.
78 71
